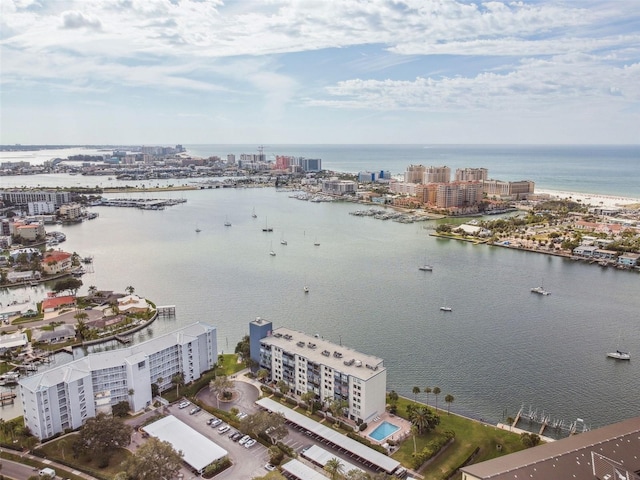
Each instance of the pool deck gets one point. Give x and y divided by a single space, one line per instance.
403 432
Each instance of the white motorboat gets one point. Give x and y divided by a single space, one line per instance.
540 291
446 309
619 355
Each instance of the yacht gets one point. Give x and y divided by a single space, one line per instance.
227 223
306 289
446 309
425 268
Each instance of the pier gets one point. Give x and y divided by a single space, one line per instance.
167 310
124 339
545 421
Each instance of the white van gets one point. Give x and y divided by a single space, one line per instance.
47 473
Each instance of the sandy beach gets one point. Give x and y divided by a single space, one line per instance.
594 199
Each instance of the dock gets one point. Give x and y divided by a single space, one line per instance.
123 338
167 310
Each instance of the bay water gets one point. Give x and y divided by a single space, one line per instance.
499 348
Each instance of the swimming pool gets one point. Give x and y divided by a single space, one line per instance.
383 431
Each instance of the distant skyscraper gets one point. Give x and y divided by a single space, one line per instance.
437 175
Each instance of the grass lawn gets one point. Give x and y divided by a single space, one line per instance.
469 434
61 450
230 365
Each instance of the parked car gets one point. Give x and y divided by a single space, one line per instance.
236 436
216 422
223 429
250 443
244 439
269 467
194 410
241 415
211 420
184 404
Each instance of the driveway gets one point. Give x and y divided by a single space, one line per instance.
244 398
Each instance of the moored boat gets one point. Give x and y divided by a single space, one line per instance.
619 355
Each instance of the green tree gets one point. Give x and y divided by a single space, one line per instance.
129 290
283 387
308 397
92 290
243 348
416 391
101 435
178 380
154 460
120 409
220 386
262 374
449 399
529 439
436 392
70 284
334 467
423 418
427 391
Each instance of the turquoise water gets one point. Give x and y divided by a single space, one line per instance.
383 431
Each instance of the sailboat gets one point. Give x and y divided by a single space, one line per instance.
316 243
619 354
425 267
198 229
227 223
283 241
253 214
267 228
445 307
305 289
271 252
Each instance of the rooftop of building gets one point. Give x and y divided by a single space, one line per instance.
321 351
570 457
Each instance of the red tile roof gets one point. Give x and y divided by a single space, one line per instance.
55 302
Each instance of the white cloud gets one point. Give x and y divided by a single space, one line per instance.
75 19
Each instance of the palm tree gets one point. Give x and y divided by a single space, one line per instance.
436 392
178 380
414 430
427 391
334 467
449 399
416 391
220 385
423 419
130 290
92 290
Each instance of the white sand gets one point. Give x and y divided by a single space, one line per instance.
592 199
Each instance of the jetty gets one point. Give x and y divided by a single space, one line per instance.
167 310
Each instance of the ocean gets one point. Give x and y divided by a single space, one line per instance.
501 347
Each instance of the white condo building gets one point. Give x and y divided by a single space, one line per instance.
310 364
66 396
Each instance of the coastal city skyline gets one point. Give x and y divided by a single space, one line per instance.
542 72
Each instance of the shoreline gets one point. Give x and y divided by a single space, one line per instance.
593 199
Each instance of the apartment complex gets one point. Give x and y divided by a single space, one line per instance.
339 187
310 364
437 175
499 188
23 198
64 397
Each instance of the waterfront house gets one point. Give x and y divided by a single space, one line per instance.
132 304
629 259
13 340
586 251
56 262
52 304
59 334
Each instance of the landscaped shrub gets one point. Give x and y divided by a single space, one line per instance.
216 467
364 441
430 449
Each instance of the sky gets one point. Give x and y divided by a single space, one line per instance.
171 72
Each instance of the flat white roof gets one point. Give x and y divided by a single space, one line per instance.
321 456
321 351
301 471
366 454
198 450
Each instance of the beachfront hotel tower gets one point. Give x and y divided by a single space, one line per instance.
66 396
311 364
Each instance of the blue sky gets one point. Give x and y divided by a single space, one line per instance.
298 71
